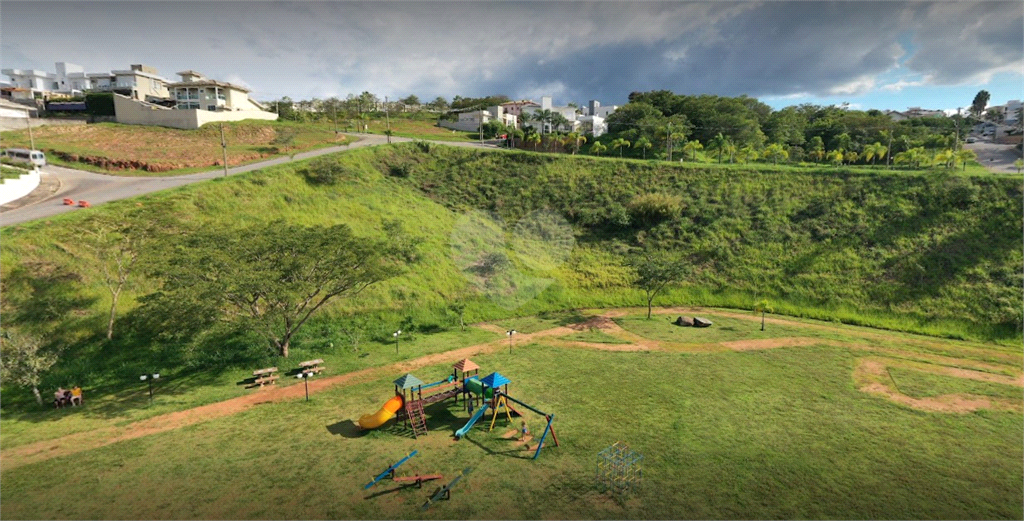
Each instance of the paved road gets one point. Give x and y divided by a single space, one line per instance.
58 182
997 158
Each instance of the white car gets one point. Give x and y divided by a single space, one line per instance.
972 139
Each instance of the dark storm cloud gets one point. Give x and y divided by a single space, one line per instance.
571 50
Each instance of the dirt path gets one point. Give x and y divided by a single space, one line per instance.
871 374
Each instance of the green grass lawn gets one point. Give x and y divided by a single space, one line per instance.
761 434
128 401
594 336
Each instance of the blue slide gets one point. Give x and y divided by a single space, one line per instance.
469 425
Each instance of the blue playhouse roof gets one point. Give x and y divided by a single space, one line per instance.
495 380
408 381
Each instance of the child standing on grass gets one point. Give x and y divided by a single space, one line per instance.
525 430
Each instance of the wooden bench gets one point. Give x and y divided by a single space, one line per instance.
311 366
264 376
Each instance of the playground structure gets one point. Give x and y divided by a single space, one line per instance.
390 473
619 468
490 391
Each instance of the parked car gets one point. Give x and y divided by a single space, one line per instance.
972 139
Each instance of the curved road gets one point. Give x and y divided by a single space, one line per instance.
59 183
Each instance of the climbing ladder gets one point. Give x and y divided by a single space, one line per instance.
417 418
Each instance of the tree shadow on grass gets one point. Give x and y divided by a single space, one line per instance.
516 453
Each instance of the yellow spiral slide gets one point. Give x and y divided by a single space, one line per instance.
388 411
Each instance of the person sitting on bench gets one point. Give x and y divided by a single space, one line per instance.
59 398
76 395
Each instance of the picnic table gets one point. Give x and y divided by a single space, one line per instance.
264 376
312 366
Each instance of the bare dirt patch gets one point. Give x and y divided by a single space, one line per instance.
872 377
770 343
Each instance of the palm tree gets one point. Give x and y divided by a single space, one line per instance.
718 143
965 155
597 148
850 157
874 151
730 150
573 140
692 147
535 139
835 157
746 154
620 143
644 144
774 152
944 158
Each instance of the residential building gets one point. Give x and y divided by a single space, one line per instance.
590 120
196 91
140 81
471 120
188 104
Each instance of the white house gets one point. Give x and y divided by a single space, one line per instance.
589 121
190 103
471 120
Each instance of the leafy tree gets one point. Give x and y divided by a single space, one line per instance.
619 144
115 240
945 158
692 147
644 144
276 275
816 149
850 157
23 361
598 148
730 150
410 101
774 152
655 269
762 307
964 155
980 102
630 115
439 104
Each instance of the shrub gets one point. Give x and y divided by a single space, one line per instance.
99 103
651 209
325 171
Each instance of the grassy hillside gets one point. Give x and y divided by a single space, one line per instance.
937 254
149 151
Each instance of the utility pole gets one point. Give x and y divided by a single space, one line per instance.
956 145
888 155
224 149
387 118
31 139
481 126
334 110
668 144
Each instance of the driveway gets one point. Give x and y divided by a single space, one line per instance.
59 183
997 158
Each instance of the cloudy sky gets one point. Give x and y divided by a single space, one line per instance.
885 55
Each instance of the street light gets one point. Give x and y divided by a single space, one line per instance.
510 332
305 378
147 377
395 334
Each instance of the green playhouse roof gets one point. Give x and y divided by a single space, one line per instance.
495 380
408 381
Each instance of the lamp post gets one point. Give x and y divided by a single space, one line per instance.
305 378
395 334
510 332
151 377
